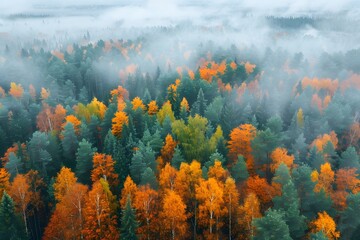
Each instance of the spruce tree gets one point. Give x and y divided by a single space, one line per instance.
11 226
129 224
272 226
84 164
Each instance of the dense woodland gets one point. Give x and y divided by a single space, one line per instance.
116 139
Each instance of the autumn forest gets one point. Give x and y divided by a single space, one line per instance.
166 133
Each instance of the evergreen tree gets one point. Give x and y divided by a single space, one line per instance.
137 167
288 202
84 163
129 224
11 226
350 159
199 105
239 170
148 177
272 226
69 144
349 224
177 158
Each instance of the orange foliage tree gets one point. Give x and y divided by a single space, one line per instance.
75 122
16 90
64 180
211 204
167 151
326 224
129 189
118 122
20 192
240 144
321 141
152 108
173 216
280 155
67 221
231 200
324 179
103 167
99 219
248 212
167 177
263 190
4 181
218 172
137 103
146 205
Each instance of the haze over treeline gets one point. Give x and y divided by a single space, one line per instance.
179 120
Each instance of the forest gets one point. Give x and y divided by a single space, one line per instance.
167 134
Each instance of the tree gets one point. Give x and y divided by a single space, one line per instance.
186 183
261 188
349 223
11 226
210 197
4 181
174 216
279 155
148 178
67 220
324 179
118 122
240 144
129 190
167 177
16 90
145 203
350 159
129 224
69 143
103 167
100 220
231 200
263 145
239 170
199 105
249 211
84 156
177 158
137 103
167 151
152 108
288 202
164 112
326 224
64 180
20 192
272 226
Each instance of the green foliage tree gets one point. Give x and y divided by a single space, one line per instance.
69 144
272 226
84 163
11 226
129 224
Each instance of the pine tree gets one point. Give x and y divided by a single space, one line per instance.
199 105
84 162
11 226
148 177
69 144
239 171
129 224
177 158
288 202
272 226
